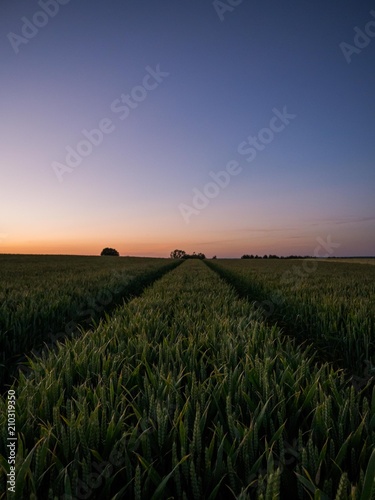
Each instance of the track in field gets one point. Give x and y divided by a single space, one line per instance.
185 392
330 306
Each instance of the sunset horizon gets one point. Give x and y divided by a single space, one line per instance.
215 128
187 249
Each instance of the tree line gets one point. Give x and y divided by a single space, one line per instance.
181 254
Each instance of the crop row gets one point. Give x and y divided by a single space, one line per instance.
329 304
185 392
43 299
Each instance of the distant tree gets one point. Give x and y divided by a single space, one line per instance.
246 256
265 256
193 256
177 254
110 251
214 257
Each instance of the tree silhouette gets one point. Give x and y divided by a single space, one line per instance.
181 254
177 254
110 251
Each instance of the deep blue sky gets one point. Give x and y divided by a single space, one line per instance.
315 178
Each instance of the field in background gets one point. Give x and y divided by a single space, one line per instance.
45 298
355 260
190 391
328 304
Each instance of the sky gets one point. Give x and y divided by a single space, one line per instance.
223 127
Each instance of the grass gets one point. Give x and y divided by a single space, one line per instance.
329 304
45 298
353 260
186 392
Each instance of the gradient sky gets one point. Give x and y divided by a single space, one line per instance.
226 75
